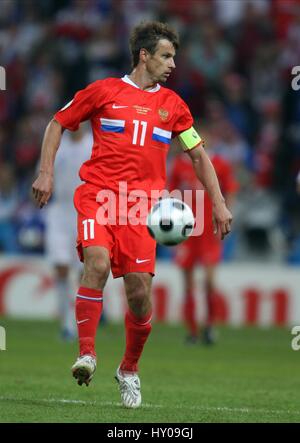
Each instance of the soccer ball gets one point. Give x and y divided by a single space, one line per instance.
170 221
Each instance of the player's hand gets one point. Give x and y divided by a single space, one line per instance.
42 188
222 219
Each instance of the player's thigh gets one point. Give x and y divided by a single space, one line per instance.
134 251
90 233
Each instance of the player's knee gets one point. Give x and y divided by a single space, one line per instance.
136 296
102 268
97 267
138 290
139 301
96 272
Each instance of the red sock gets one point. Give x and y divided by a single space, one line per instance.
88 310
190 313
137 332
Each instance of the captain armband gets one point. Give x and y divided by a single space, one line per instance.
189 139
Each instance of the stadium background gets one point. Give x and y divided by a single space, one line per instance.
234 71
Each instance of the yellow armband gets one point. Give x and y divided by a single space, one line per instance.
189 139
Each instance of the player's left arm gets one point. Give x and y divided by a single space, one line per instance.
228 182
230 198
205 171
206 174
192 143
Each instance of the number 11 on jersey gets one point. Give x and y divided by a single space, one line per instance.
137 130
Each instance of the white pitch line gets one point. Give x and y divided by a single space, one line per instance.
154 406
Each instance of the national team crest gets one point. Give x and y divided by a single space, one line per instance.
163 114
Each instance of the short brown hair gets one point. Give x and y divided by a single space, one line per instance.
147 34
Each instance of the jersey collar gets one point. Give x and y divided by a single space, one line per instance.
126 79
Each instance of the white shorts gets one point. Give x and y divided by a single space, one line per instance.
61 234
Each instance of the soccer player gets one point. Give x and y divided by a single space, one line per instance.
133 120
61 223
206 248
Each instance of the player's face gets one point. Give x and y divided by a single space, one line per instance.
161 63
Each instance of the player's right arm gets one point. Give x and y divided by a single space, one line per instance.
81 108
43 185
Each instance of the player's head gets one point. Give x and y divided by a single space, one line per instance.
153 45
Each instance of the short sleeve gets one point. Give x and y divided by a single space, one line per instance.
184 119
82 107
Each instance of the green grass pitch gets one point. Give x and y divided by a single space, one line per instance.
250 375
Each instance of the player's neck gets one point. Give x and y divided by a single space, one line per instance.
142 79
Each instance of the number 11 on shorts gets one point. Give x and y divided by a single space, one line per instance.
89 229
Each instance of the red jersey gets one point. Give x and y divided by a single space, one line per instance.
183 177
132 131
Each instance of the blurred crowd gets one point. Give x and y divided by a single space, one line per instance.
233 69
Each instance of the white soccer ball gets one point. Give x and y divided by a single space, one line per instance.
170 221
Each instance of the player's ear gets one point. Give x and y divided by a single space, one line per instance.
143 54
